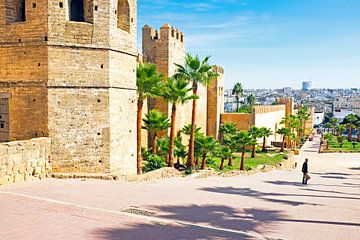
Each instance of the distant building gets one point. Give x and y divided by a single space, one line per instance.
319 117
306 86
346 104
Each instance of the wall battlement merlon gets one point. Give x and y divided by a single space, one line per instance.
166 32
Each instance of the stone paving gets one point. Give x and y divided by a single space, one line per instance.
273 205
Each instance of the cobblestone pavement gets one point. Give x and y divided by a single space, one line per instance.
273 205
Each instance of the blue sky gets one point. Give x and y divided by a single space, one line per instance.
268 43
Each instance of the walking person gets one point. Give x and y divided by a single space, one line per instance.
305 171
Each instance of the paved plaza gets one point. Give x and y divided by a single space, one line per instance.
273 205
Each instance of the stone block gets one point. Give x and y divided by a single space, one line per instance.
16 168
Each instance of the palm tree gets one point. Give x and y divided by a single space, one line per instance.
238 91
227 128
154 122
148 83
304 116
243 139
207 146
285 132
223 152
250 100
196 72
340 129
264 133
163 145
176 91
357 125
334 122
187 130
350 120
180 150
328 137
328 126
255 134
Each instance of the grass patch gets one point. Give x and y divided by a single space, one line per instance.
261 158
347 146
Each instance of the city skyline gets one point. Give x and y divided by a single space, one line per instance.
268 44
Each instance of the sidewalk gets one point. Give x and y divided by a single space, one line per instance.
273 204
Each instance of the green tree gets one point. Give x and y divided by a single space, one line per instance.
285 132
357 125
163 145
148 83
238 91
187 130
304 116
207 146
340 129
340 140
334 122
227 128
264 133
255 134
250 100
328 137
328 126
176 92
243 139
154 122
350 120
223 152
180 150
196 72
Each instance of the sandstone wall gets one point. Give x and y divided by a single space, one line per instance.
270 116
243 121
24 160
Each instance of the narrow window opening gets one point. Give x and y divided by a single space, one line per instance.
123 15
15 11
76 11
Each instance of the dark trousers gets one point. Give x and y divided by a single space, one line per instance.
304 181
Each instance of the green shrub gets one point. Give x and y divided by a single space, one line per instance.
154 162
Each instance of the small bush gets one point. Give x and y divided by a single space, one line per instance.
154 162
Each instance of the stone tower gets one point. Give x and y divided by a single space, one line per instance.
68 72
215 103
165 48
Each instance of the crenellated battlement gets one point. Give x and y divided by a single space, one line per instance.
166 33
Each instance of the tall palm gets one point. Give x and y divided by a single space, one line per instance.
304 116
223 152
238 91
340 129
284 132
265 133
196 72
230 141
251 99
154 122
334 122
148 83
255 134
350 120
243 139
207 146
176 91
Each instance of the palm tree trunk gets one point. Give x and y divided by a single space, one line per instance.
358 136
138 143
237 104
203 162
264 143
222 164
350 133
242 166
231 162
190 162
172 136
283 145
154 143
253 151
